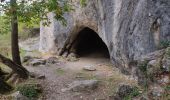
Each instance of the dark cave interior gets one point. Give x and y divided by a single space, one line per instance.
89 43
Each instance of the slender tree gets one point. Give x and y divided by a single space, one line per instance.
14 33
30 11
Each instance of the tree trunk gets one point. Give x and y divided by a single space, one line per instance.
20 70
14 34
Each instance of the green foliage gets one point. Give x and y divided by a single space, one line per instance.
166 95
167 88
134 93
4 25
28 90
143 67
33 11
5 44
164 44
168 52
22 52
83 3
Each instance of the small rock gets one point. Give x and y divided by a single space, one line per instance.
99 64
18 96
154 63
72 59
89 68
41 77
84 85
52 60
36 62
164 79
153 66
156 91
65 54
26 58
81 97
32 74
124 90
37 76
72 55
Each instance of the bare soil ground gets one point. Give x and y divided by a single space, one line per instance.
59 75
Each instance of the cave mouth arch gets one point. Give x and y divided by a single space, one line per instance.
88 43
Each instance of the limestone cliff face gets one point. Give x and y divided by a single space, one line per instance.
129 28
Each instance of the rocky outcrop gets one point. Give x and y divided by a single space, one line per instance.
129 28
154 68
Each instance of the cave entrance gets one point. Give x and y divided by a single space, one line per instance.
88 43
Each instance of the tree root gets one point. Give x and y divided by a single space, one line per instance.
20 70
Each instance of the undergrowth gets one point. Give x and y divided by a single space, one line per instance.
29 90
164 44
134 93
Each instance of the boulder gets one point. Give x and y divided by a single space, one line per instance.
73 55
89 68
83 85
37 62
52 60
153 66
72 59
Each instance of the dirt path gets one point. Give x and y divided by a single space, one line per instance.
59 75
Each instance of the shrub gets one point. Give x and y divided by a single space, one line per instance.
143 67
29 90
134 93
164 44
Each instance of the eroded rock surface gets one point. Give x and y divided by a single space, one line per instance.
129 28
